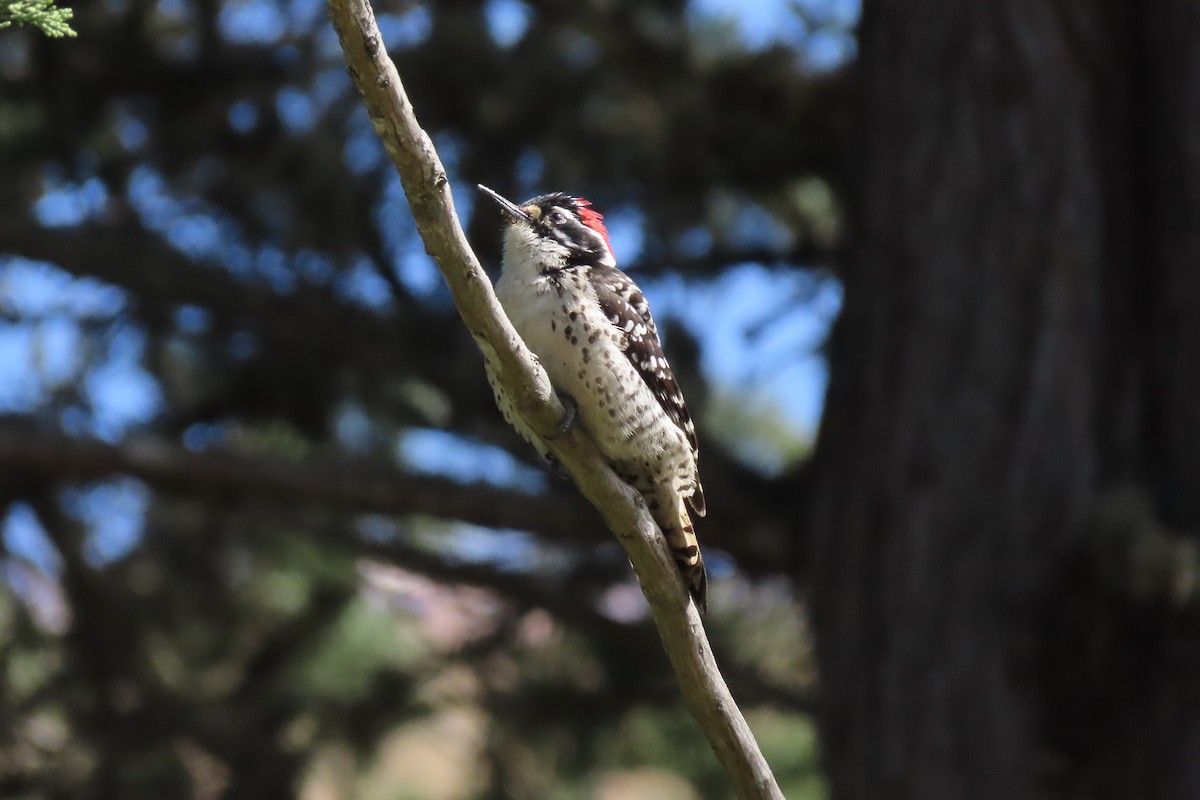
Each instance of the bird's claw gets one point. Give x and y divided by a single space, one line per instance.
569 410
568 419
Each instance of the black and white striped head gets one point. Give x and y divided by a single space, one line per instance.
552 232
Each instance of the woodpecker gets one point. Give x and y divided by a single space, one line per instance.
590 326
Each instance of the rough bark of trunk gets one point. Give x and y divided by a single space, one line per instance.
1015 379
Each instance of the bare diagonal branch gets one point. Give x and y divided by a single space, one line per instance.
429 197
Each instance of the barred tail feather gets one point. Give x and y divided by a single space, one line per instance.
696 578
686 549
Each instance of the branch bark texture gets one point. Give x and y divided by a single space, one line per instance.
429 197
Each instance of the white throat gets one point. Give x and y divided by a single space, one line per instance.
528 256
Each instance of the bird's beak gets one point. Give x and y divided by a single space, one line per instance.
510 209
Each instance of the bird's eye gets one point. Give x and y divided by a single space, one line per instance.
557 217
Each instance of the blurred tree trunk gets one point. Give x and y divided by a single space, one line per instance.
1008 480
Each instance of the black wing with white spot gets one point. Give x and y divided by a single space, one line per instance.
626 308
